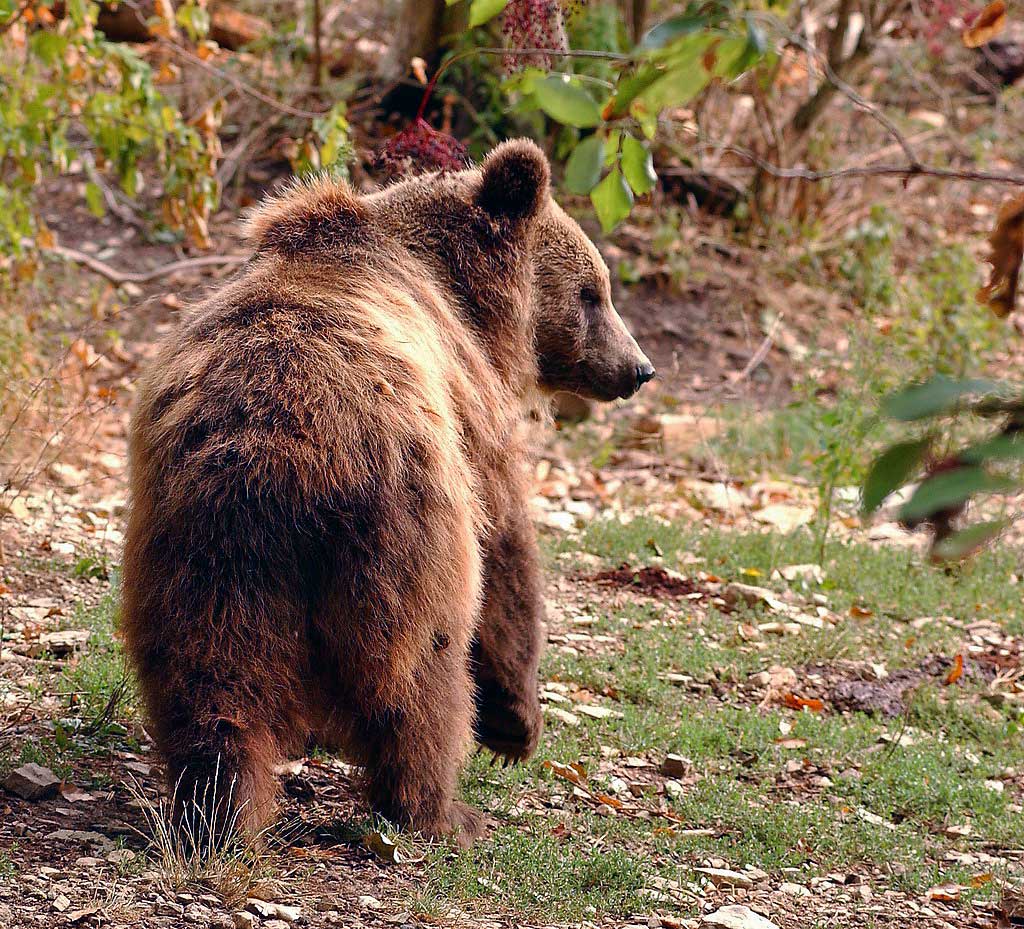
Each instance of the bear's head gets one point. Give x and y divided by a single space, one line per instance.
581 342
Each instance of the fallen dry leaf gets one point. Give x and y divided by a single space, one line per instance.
803 703
574 774
949 893
957 671
1007 251
988 24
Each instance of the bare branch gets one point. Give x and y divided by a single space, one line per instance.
142 277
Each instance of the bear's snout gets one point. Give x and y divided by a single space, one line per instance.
644 372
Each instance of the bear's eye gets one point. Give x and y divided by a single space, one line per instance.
589 296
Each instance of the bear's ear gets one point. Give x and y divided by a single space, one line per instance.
515 181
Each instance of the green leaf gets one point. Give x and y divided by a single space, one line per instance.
583 169
939 395
891 470
950 489
968 541
631 86
756 47
567 103
638 166
94 199
670 30
612 199
482 11
1005 447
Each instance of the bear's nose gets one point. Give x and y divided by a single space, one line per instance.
644 373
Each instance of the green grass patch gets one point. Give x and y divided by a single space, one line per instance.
872 807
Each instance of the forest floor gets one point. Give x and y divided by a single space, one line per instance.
756 715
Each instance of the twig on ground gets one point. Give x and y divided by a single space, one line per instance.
759 356
121 210
142 277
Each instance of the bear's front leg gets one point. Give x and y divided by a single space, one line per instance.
506 650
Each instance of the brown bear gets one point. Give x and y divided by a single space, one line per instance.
329 536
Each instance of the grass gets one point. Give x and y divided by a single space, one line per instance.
564 861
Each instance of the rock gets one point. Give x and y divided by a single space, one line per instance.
674 766
735 593
243 920
76 835
370 903
723 877
598 712
32 782
737 917
716 495
563 716
794 890
61 903
785 516
63 643
675 434
275 924
558 520
674 789
265 910
87 861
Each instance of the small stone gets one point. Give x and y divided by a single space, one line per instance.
723 877
88 862
273 911
76 835
63 643
169 909
32 782
275 924
794 890
737 917
674 789
563 716
243 920
674 766
61 903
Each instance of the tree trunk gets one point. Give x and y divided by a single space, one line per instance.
418 30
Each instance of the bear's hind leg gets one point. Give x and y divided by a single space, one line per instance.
414 749
506 650
222 781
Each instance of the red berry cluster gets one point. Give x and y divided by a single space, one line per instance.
534 24
419 147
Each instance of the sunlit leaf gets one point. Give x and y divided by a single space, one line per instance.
94 199
568 103
638 166
482 11
612 199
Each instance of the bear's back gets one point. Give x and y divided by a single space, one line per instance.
298 391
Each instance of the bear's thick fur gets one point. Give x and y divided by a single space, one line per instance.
328 536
